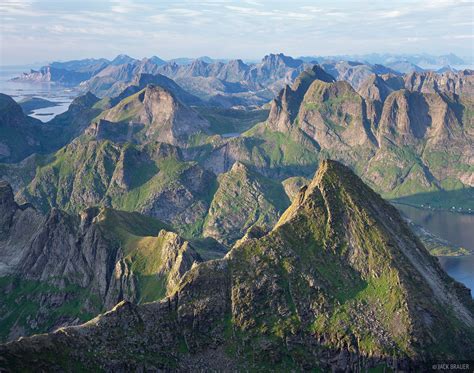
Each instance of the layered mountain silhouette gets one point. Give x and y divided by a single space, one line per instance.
180 198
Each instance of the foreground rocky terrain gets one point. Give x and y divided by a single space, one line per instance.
340 282
59 269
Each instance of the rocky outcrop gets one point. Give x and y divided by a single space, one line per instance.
154 114
243 199
293 185
61 269
333 115
403 142
355 73
340 283
460 83
284 108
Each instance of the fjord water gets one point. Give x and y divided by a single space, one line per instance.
461 269
454 227
20 90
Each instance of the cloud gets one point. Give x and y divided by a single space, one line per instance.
159 18
18 8
249 11
183 12
299 16
127 6
440 4
415 39
310 8
462 36
252 2
231 28
391 14
273 14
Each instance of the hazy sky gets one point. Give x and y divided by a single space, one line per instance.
46 30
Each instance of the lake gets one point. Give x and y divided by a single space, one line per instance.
454 227
19 90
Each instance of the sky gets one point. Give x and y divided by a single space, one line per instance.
52 30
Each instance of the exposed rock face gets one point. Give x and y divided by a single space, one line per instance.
7 206
355 73
375 90
397 139
333 115
60 269
460 83
340 283
142 80
243 199
293 185
154 114
177 257
285 107
16 224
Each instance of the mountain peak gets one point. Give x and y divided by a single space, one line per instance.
122 59
304 80
157 60
334 173
284 109
375 88
156 114
330 174
87 100
274 60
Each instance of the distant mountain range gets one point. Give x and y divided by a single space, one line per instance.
408 136
423 60
228 82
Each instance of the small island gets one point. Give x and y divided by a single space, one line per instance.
31 104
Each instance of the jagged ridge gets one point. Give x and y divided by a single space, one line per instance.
340 282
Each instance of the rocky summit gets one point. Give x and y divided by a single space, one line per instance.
340 283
